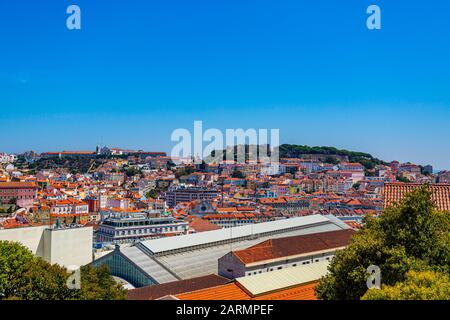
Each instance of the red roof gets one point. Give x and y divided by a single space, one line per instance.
394 192
17 185
201 225
233 291
171 288
290 246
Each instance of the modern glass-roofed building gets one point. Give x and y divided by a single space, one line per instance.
187 256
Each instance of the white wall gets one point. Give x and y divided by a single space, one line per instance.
30 237
66 247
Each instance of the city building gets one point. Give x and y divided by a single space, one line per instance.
154 292
281 253
188 256
64 246
297 283
184 193
21 193
123 227
69 154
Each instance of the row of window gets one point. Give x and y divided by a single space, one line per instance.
281 267
139 231
16 197
16 191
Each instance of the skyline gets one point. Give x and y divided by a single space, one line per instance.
137 71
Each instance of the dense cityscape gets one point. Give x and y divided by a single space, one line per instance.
192 230
214 159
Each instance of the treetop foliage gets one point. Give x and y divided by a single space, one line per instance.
411 235
24 276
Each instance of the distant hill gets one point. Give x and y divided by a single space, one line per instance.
331 154
325 154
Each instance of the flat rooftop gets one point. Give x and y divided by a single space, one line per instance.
209 237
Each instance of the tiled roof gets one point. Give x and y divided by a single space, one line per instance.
232 291
290 246
394 192
200 225
229 291
171 288
17 185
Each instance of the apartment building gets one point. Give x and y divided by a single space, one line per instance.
183 193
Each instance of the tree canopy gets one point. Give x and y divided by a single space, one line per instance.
425 285
295 151
24 276
409 236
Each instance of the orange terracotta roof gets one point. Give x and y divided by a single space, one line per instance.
17 185
229 291
301 292
157 291
232 291
200 225
394 192
290 246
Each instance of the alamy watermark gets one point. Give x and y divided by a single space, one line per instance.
374 20
74 280
374 279
73 21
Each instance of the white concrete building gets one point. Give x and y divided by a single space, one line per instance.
66 247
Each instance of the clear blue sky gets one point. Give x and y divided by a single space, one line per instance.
140 69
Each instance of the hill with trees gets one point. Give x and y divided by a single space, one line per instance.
297 151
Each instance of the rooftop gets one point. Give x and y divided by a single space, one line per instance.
175 287
276 280
290 246
296 283
394 192
215 236
17 185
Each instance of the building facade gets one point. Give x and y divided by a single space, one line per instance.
179 194
125 228
22 193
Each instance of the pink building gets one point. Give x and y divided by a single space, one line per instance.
22 193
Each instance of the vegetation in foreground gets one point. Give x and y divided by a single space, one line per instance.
26 277
410 242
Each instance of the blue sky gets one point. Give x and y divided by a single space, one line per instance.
140 69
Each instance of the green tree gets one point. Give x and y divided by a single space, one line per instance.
97 284
402 179
14 262
426 285
411 235
331 160
24 276
152 194
238 174
44 281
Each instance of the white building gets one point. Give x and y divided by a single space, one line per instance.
66 247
